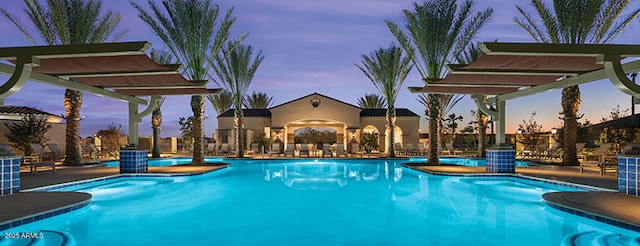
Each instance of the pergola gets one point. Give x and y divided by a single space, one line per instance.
121 71
511 70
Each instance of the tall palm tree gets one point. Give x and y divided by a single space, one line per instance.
387 69
191 29
221 102
575 22
258 100
371 101
69 22
436 32
235 67
161 57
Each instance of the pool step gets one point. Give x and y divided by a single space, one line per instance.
597 238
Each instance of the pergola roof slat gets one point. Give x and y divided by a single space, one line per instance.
513 70
168 92
171 80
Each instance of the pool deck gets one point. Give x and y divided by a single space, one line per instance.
608 207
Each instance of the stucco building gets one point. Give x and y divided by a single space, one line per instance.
279 123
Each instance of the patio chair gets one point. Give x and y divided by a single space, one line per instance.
355 149
398 148
601 153
290 150
253 149
421 149
304 150
411 149
56 153
211 149
224 149
340 150
443 151
603 167
326 150
451 148
35 161
275 149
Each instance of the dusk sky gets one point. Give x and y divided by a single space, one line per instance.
312 46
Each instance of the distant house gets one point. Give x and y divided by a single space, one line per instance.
11 114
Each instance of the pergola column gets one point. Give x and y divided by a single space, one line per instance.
496 112
135 117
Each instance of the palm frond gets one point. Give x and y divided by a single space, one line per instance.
258 100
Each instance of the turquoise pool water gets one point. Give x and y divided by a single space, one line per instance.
472 162
168 161
308 202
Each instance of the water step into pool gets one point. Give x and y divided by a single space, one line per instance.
26 207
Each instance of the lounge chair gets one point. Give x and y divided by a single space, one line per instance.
304 150
451 148
355 149
36 159
326 150
603 167
340 150
56 153
411 149
211 149
224 149
601 153
290 150
275 149
253 149
398 149
421 149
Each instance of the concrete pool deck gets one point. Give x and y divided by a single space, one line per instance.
608 205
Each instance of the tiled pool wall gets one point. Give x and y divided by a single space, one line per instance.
133 160
628 178
9 175
501 160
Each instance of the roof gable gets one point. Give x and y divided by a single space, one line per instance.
316 95
381 112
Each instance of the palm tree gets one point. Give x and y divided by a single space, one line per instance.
69 22
221 102
371 101
191 29
258 100
437 31
575 22
162 57
235 68
387 69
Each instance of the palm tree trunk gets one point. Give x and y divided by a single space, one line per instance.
239 124
434 119
197 106
570 105
72 104
391 122
156 119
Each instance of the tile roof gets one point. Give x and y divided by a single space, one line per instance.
381 112
250 113
23 110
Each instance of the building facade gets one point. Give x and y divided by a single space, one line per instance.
280 123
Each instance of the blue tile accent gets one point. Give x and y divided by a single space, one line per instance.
501 161
628 178
133 160
9 175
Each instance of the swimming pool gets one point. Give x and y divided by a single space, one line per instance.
323 202
471 162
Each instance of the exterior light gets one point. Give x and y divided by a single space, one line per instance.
519 131
315 102
554 130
